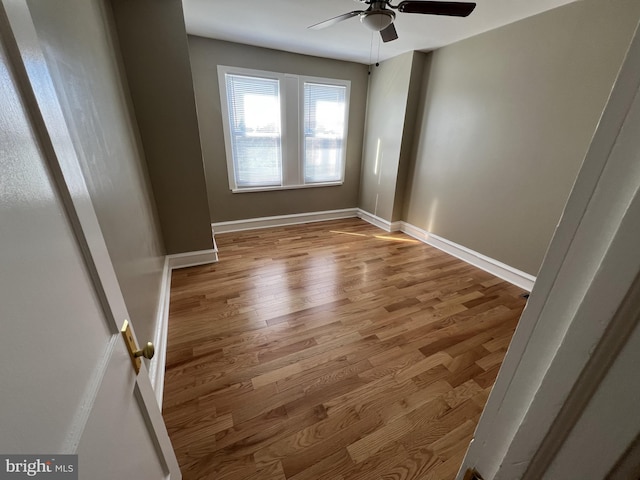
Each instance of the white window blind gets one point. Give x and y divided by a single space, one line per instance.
324 122
283 130
255 130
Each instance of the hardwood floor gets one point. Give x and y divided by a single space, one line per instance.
331 351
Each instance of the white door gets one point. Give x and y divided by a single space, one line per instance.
67 385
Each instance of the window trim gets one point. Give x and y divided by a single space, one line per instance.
226 127
291 89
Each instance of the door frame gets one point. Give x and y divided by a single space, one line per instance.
589 267
28 63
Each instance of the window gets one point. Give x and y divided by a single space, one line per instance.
283 131
324 113
254 125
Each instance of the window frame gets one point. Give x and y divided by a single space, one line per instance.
291 88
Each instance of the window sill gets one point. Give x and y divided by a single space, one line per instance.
284 187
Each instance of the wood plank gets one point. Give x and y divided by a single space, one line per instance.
372 443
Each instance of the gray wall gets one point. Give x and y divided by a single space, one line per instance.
154 48
392 105
409 133
78 45
386 110
506 119
206 55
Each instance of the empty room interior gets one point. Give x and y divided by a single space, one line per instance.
331 235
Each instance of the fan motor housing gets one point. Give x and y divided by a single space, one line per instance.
377 20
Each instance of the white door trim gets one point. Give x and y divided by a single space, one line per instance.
577 275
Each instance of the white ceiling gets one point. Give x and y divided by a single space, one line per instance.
282 25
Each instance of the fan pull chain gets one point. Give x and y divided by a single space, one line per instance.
371 50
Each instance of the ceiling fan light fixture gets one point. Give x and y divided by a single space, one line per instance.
377 20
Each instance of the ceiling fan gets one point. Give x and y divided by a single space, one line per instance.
380 18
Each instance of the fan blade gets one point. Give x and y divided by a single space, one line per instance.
334 20
452 9
388 34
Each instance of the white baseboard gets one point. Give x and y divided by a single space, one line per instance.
378 221
395 227
192 259
171 262
499 269
282 220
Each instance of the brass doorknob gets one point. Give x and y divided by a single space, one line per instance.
146 352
